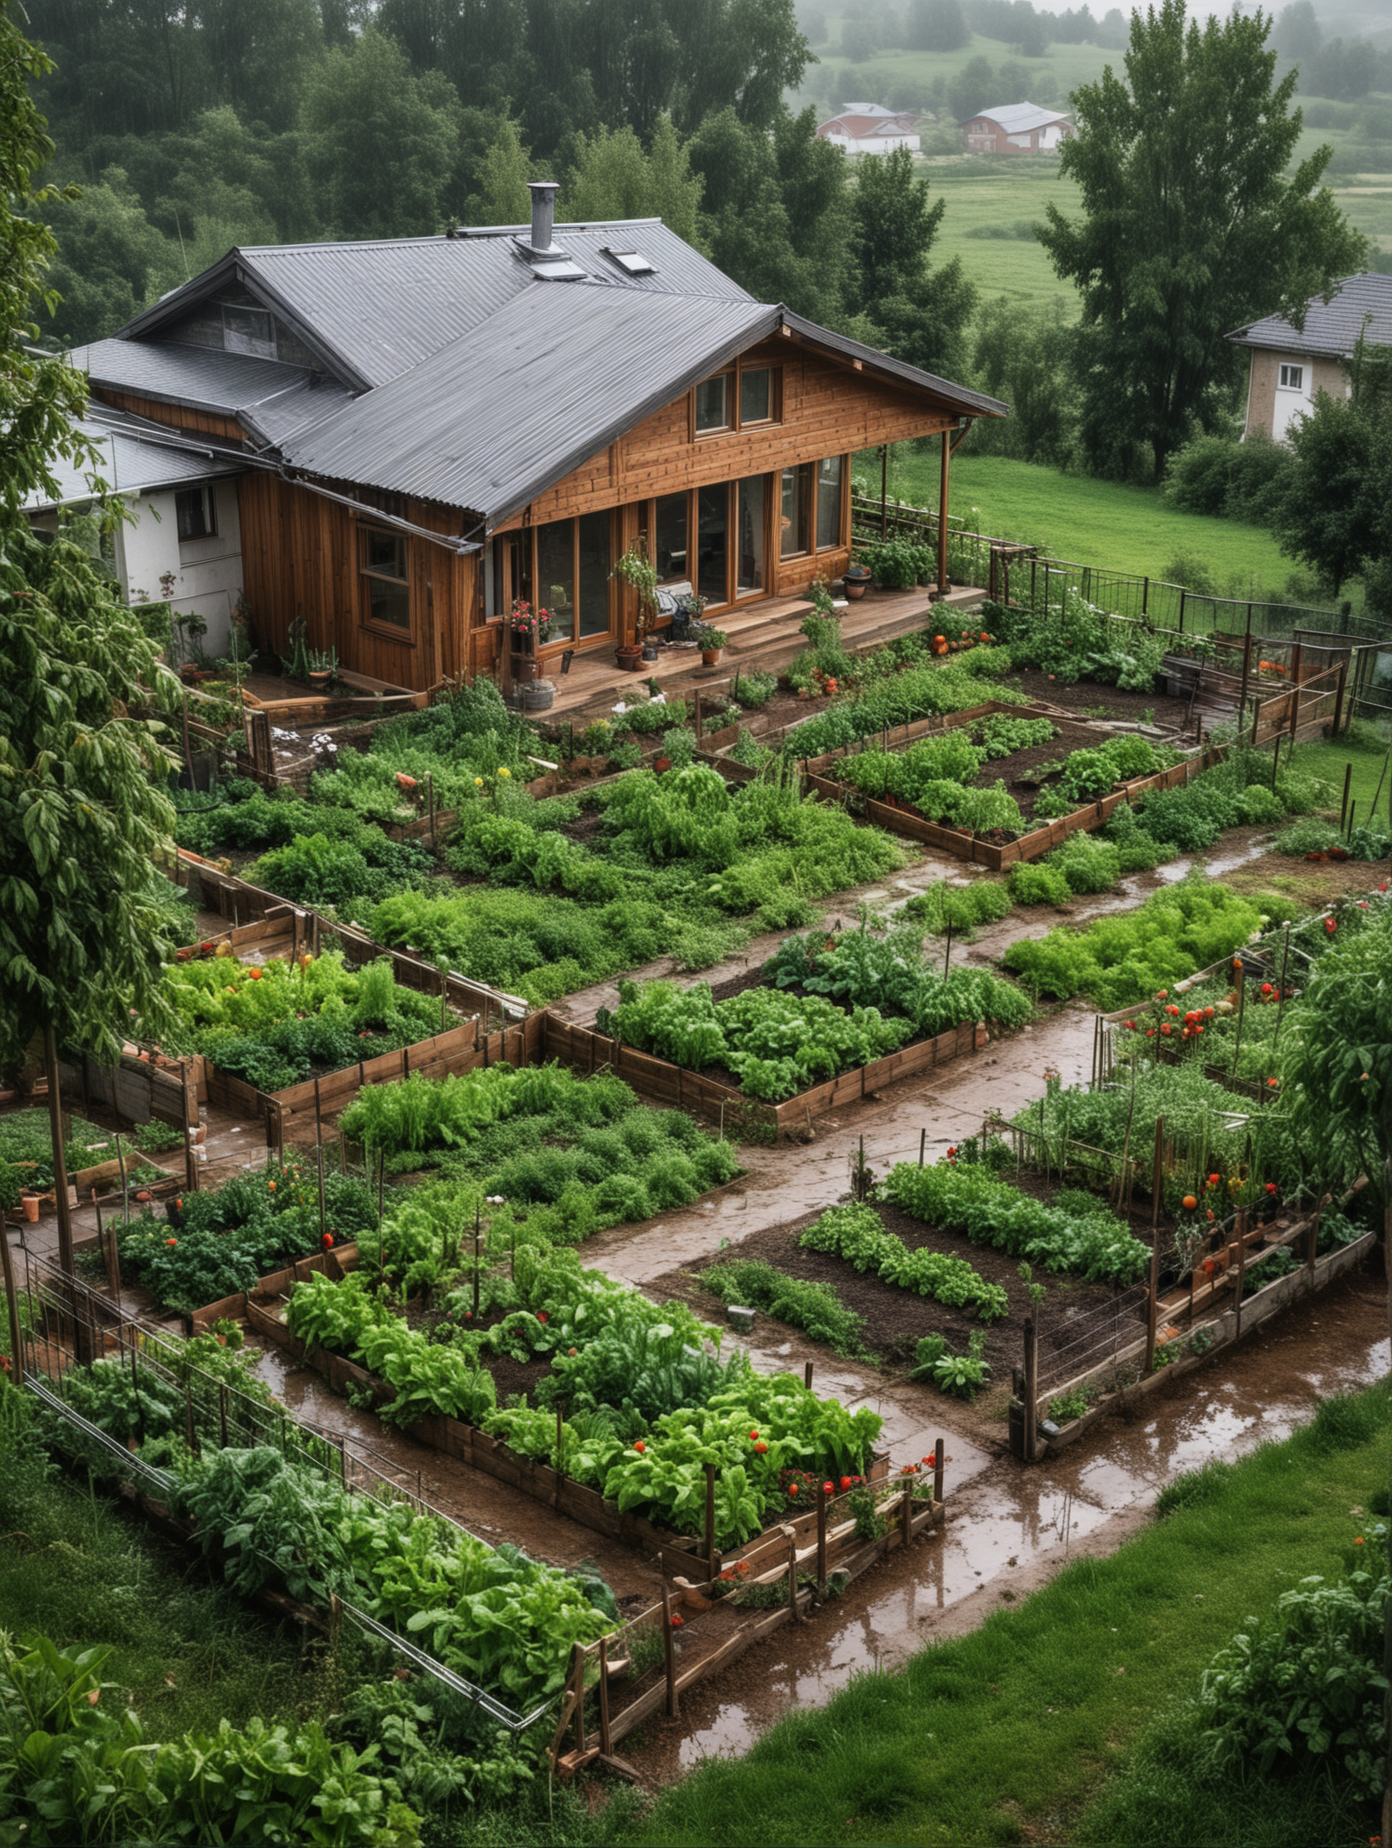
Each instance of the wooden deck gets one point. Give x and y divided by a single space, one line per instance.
765 636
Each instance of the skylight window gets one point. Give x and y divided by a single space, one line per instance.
633 261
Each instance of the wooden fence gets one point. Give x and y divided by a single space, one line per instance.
618 1683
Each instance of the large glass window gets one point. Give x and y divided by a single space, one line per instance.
383 563
555 578
796 515
672 556
592 555
712 524
752 499
829 502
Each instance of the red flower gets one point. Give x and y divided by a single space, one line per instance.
828 1488
845 1484
255 974
171 1241
792 1488
1214 1179
677 1620
1161 993
326 1240
1172 1009
1267 989
640 1447
760 1448
1167 1028
1271 1187
753 1435
543 1315
1330 925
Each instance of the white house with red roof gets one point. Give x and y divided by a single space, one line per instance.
869 128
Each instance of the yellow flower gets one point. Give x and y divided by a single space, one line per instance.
505 771
478 782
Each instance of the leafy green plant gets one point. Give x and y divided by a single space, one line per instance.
1003 737
959 907
856 1233
816 1308
1033 883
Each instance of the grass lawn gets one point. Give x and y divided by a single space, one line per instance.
1100 523
1008 1734
1330 758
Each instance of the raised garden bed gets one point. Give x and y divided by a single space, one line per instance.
819 776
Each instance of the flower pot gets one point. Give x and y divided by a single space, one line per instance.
709 656
649 651
318 678
538 696
856 581
524 669
30 1203
629 656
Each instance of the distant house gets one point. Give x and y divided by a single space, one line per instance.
1287 367
1020 128
397 439
182 541
869 128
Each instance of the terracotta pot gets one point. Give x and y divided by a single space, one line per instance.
30 1203
629 656
855 589
318 678
709 656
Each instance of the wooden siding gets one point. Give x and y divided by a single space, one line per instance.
177 416
300 557
829 409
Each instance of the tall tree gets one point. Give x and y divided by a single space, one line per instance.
378 141
612 177
81 810
920 315
1189 224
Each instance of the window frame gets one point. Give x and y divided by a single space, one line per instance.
734 392
1291 376
402 633
812 508
516 573
207 501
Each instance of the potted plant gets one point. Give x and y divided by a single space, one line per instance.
638 571
687 615
856 579
711 641
321 666
530 628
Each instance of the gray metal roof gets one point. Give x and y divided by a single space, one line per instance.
384 307
132 460
550 381
1362 305
1020 118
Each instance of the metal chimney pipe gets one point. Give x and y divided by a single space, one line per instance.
543 212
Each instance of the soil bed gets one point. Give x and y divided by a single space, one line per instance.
1093 698
897 1319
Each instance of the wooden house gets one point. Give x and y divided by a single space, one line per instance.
429 429
1019 128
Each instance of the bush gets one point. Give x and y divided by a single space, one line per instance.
1308 836
1034 884
1086 863
961 907
756 689
1238 481
816 1308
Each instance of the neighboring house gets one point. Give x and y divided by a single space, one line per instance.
426 429
182 543
1287 367
1021 128
869 128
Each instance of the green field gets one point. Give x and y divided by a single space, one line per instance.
1101 523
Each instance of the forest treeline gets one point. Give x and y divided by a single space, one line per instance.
191 129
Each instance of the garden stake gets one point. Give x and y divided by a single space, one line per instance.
1381 774
1281 991
125 1184
669 1651
821 1537
560 1449
939 1469
477 1227
792 1573
948 956
906 1513
430 799
1343 806
922 1144
1237 1040
1352 807
606 1744
807 1376
222 1414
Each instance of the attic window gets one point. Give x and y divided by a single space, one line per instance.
248 330
633 261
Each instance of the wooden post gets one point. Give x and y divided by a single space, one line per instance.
60 1167
430 799
1343 806
1246 673
939 1469
12 1302
1031 1389
942 516
905 1511
1296 654
807 1376
606 1744
190 1109
884 490
560 1451
1312 1245
222 1414
700 723
922 1144
1339 697
710 1521
577 1668
792 1573
669 1651
1156 1184
821 1536
1241 1265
